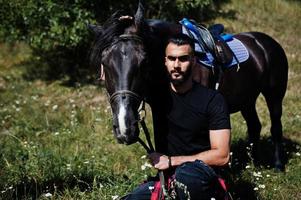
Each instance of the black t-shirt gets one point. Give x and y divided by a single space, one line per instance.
190 118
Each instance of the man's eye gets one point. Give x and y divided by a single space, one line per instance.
183 58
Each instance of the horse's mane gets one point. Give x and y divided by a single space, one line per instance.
111 29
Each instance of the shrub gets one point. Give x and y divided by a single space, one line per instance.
56 30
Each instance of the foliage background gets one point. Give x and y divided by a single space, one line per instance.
56 141
57 32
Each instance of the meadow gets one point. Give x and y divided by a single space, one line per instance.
56 141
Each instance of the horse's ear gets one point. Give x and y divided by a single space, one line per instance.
94 28
139 16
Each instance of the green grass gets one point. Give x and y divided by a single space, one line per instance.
56 142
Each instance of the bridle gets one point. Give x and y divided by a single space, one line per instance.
127 93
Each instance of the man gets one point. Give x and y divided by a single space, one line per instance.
198 138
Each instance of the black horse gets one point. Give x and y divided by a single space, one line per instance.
131 50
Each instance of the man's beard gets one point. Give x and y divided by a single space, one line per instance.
185 76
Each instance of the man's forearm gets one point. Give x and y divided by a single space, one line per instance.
211 157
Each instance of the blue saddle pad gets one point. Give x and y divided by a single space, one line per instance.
237 47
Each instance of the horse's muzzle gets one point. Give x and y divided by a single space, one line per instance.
128 136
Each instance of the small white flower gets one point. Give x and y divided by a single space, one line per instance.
11 187
248 166
115 197
98 119
86 162
261 186
47 103
268 175
48 194
56 133
55 107
145 165
255 188
143 157
298 154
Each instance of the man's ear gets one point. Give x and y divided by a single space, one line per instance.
165 59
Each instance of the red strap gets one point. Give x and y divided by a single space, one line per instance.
156 191
222 183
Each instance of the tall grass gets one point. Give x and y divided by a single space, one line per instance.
56 142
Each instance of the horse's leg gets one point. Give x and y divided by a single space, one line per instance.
254 127
275 108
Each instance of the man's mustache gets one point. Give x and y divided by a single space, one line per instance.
177 71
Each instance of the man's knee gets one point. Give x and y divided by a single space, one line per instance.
195 178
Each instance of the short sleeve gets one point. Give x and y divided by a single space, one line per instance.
218 113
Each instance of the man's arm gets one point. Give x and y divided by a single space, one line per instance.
218 155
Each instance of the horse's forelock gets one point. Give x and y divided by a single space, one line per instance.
111 29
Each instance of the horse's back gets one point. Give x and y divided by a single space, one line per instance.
275 61
265 70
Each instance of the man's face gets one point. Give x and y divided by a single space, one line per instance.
179 61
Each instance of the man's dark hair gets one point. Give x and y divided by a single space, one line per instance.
181 39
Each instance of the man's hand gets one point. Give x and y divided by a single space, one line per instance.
159 161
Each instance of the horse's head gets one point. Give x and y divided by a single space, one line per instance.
119 48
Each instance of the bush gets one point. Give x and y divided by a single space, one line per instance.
56 30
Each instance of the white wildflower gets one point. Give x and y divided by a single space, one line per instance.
48 194
255 188
115 197
297 154
47 103
145 165
143 157
86 162
261 186
55 107
11 187
257 174
98 119
248 166
56 133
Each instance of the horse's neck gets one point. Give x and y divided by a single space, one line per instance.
163 29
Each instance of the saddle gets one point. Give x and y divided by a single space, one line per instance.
212 40
223 53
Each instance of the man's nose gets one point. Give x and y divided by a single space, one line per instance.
176 64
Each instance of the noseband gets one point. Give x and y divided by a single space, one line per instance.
124 94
